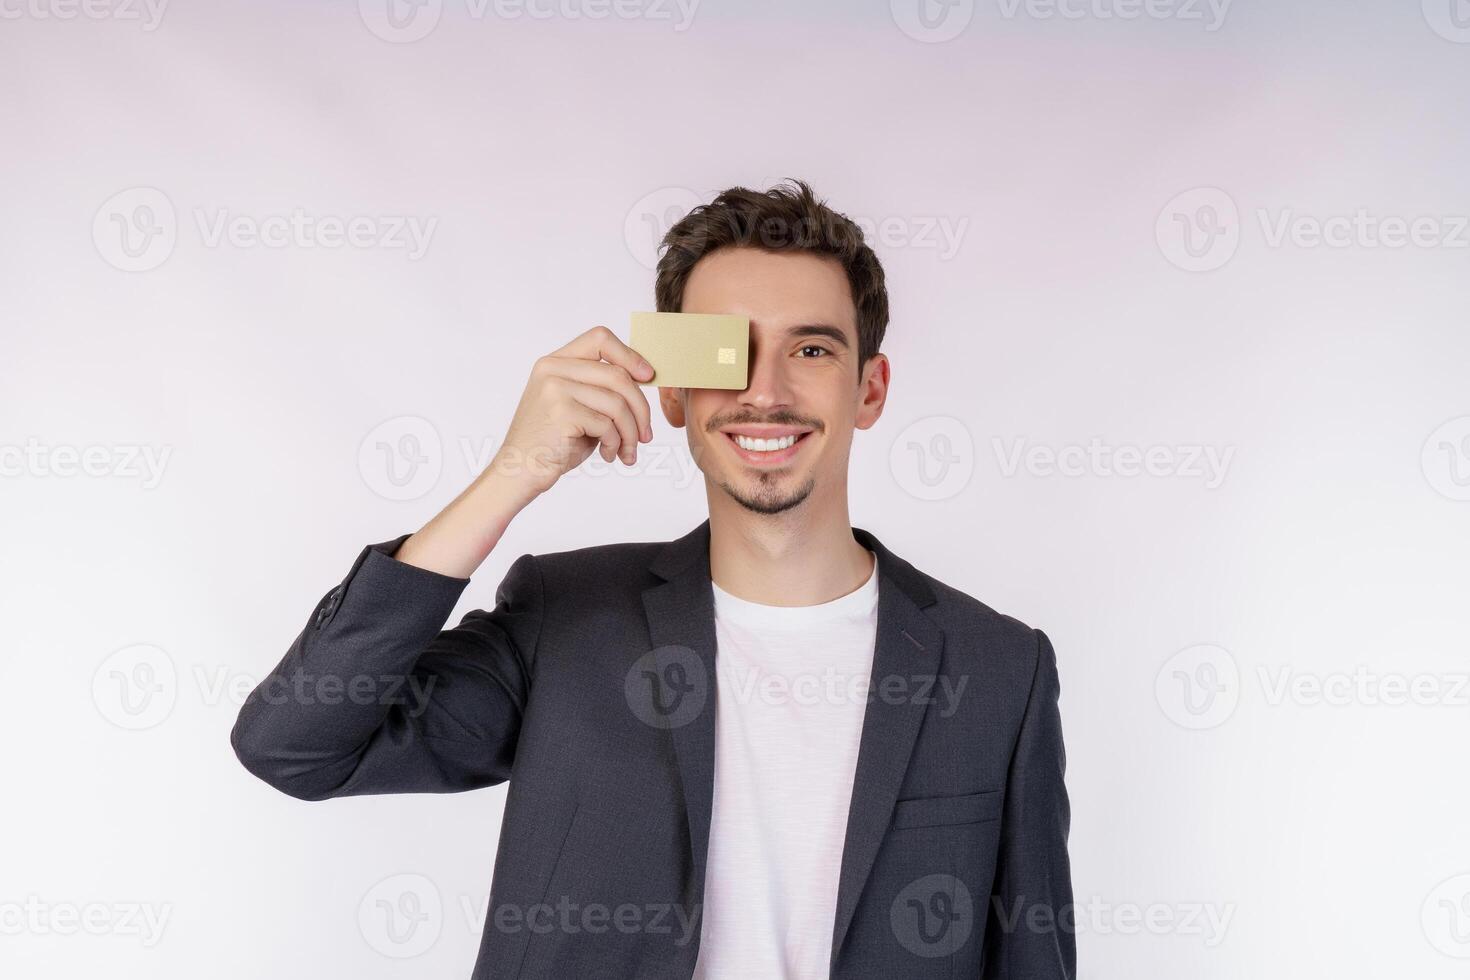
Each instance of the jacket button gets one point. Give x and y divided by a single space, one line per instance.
330 605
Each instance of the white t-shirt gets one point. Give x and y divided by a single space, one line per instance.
791 686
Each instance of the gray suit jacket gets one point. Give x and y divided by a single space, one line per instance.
590 687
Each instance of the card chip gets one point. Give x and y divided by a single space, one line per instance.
726 355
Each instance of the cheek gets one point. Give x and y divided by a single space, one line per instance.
837 444
699 408
700 404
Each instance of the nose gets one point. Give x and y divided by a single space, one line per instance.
768 385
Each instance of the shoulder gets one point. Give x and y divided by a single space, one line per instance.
613 554
966 613
594 570
981 637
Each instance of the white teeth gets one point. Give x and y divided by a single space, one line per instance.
765 445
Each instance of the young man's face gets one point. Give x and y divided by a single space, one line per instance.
803 380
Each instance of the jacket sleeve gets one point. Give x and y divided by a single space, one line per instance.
375 696
1031 933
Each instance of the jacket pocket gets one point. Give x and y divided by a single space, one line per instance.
943 811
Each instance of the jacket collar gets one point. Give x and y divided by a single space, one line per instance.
678 554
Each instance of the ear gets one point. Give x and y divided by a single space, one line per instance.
671 400
873 391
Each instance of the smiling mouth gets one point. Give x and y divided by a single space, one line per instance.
766 451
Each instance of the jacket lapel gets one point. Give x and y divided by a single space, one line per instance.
907 648
908 645
681 614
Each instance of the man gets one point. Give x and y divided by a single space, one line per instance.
771 749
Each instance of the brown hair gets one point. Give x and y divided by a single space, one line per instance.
782 219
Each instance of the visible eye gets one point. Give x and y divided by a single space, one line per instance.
816 347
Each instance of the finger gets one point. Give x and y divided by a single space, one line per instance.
611 404
602 343
589 419
608 376
594 425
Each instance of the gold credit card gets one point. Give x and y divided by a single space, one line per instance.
693 350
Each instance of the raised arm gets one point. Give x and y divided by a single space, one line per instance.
375 695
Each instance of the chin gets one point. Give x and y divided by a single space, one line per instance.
769 496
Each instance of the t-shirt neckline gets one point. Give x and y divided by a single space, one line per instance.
858 602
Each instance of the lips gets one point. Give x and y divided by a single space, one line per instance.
766 445
767 457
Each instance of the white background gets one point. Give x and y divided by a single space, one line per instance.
1066 153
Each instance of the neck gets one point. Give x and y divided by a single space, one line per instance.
801 557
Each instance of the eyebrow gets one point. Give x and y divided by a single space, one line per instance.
820 330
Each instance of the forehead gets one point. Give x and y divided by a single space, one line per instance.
773 289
